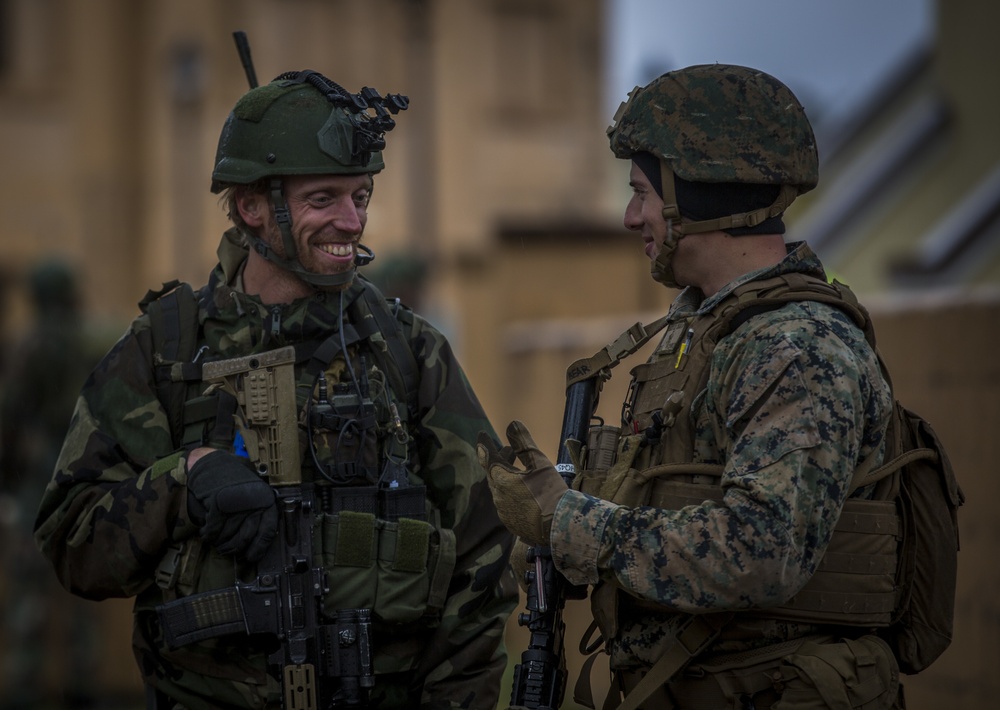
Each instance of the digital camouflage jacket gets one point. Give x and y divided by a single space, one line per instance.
117 505
793 403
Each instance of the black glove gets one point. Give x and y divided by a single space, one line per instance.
235 508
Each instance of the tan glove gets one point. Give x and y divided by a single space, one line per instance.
519 562
525 500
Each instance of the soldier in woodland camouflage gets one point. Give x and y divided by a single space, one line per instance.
745 439
151 497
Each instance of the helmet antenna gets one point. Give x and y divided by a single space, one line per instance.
243 47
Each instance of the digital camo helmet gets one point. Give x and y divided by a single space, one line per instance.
718 124
302 124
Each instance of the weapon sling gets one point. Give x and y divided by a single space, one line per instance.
697 631
540 677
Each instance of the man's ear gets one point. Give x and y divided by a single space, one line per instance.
252 207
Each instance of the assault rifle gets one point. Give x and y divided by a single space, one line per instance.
320 664
540 677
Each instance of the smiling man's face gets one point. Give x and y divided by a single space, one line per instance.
328 214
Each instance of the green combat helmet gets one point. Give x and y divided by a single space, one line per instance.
303 124
718 123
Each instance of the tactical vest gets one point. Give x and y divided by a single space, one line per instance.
890 568
654 465
385 548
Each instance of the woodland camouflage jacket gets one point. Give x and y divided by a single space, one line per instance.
118 501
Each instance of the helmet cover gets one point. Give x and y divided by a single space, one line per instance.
717 123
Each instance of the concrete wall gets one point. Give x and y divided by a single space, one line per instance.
942 352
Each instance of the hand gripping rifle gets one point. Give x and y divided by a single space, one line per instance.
321 663
540 677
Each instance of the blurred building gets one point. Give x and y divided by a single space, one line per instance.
499 182
111 110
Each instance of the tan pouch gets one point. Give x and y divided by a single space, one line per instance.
854 674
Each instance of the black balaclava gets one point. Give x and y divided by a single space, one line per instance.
702 200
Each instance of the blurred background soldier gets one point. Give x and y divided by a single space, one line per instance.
51 641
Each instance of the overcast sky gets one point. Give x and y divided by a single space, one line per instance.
831 53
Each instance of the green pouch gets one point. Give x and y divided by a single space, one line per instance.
348 551
414 567
399 570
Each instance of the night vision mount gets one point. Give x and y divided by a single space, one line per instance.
369 129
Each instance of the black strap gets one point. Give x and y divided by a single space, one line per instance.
154 294
322 355
173 318
403 365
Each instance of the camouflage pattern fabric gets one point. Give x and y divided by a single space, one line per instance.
117 501
761 132
795 399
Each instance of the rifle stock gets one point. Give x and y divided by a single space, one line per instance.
540 678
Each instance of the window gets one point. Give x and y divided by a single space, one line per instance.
529 53
28 45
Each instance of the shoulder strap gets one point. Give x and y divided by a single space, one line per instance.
173 319
401 364
599 365
758 297
693 636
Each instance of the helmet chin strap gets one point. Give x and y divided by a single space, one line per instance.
363 258
290 262
662 267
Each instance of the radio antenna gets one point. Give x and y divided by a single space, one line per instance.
243 47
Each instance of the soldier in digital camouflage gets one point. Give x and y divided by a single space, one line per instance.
740 460
154 496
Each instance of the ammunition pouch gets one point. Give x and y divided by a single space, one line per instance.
860 674
821 672
400 569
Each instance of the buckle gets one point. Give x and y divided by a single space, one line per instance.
168 570
625 343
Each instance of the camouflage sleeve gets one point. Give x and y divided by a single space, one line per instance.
465 659
789 404
117 498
